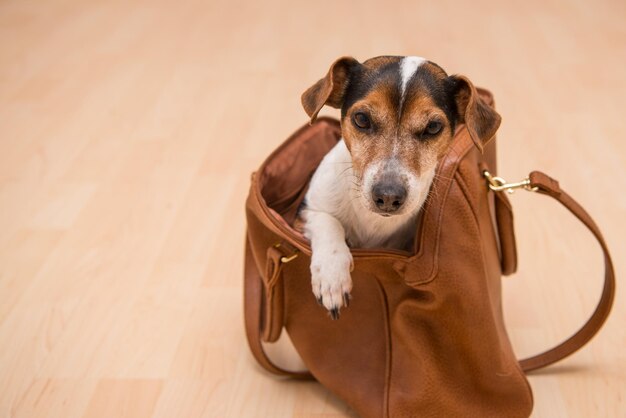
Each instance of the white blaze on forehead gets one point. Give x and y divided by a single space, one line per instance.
408 67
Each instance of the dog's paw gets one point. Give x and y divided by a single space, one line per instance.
330 277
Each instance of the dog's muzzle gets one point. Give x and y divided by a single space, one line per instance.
388 196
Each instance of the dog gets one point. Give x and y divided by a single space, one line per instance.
398 118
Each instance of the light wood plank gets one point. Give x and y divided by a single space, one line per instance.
128 132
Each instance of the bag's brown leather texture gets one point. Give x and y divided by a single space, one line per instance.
424 335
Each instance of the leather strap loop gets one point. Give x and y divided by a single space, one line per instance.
506 234
548 186
253 288
273 312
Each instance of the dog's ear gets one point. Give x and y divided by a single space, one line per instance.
481 120
329 90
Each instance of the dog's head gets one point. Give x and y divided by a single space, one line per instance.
398 116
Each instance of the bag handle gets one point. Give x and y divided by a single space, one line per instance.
542 183
538 182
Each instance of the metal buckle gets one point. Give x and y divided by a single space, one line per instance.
498 184
286 259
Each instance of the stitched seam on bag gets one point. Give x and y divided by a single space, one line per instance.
388 359
461 154
483 264
465 190
466 193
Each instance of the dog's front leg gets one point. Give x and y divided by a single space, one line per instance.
331 260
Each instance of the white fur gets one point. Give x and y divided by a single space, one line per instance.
417 190
408 67
338 212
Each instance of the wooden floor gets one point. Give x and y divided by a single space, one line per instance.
128 131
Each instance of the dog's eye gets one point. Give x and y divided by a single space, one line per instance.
362 121
433 128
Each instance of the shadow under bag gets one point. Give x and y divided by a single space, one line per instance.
424 334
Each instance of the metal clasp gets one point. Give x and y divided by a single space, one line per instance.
286 259
498 184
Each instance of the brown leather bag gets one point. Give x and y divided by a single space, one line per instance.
424 334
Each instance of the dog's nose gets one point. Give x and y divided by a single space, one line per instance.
388 197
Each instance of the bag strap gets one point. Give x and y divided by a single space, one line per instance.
253 288
542 183
538 182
